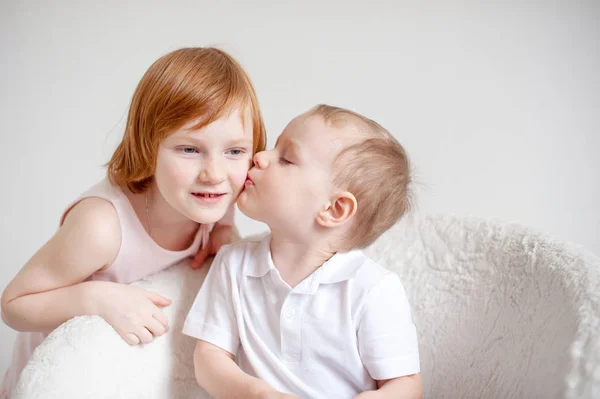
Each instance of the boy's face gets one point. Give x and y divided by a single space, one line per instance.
290 184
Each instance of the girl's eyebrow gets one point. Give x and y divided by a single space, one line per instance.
240 141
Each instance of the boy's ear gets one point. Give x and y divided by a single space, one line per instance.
338 211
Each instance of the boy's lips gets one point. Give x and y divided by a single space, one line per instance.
249 181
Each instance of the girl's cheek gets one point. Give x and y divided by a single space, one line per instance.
180 170
238 176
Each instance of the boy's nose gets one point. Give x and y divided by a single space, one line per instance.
261 160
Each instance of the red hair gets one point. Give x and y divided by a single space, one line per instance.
186 84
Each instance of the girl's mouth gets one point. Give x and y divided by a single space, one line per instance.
209 198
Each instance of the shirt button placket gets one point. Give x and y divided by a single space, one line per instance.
291 331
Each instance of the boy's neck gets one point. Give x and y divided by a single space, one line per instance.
297 260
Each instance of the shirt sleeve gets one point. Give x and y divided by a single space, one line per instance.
387 337
228 218
212 315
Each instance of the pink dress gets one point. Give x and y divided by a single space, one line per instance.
139 256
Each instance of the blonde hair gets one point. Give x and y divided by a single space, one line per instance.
375 168
186 84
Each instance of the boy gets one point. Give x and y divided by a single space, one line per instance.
303 311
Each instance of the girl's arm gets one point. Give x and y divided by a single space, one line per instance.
49 290
217 372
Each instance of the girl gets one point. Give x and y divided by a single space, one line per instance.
193 127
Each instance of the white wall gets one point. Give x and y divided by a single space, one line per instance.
498 104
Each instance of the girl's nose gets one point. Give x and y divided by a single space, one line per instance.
212 173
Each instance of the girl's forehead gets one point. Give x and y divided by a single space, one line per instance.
231 125
233 115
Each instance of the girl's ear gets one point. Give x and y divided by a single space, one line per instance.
338 211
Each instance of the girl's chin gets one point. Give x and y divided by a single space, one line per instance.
208 216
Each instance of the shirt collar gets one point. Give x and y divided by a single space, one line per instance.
340 267
261 262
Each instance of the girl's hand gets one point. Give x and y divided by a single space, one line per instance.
219 236
132 311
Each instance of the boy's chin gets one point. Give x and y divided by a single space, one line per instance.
250 211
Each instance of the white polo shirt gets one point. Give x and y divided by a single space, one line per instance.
344 326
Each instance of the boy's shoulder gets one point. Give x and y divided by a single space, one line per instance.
374 288
369 273
358 270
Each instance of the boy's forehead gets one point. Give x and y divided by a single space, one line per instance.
312 133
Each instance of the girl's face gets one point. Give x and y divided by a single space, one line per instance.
200 173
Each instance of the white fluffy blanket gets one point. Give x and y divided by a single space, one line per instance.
502 312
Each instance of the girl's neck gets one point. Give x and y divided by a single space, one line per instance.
166 226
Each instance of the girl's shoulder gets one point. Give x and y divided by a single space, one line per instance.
95 216
95 221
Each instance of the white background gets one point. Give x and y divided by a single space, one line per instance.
498 103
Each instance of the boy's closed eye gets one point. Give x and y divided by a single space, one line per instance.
285 161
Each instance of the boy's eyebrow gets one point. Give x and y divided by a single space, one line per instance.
292 143
297 150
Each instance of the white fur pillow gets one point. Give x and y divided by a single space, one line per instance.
502 312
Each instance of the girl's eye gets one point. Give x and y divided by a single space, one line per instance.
188 150
285 161
236 151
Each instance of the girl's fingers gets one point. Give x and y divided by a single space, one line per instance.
155 327
131 339
162 319
144 335
158 300
200 257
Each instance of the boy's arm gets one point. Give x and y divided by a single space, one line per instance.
407 387
212 320
388 342
218 374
